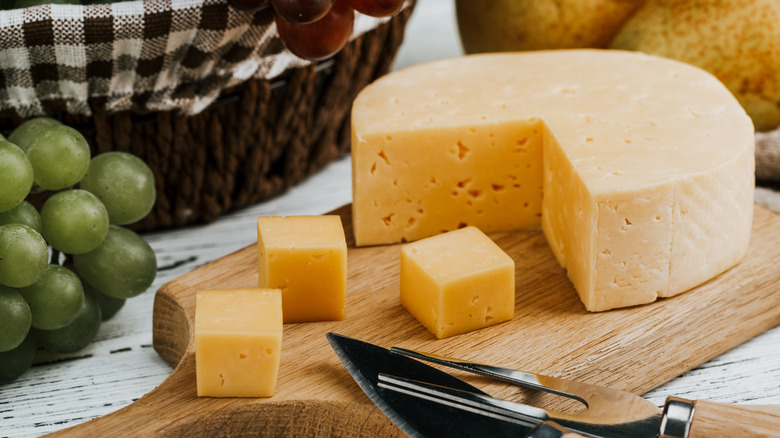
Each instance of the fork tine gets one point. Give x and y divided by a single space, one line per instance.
520 378
486 405
600 401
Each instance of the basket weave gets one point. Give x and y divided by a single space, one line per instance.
255 141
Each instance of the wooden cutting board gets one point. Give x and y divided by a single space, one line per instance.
634 349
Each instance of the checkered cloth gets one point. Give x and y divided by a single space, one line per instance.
144 56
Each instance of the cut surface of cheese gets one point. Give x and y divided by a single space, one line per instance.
305 257
457 282
238 342
639 169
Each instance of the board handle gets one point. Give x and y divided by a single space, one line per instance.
708 419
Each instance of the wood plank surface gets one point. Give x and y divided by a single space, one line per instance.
634 349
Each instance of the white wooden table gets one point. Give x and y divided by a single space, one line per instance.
121 365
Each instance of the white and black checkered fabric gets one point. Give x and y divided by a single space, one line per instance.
144 56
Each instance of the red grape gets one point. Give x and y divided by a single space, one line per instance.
377 8
249 5
302 11
322 38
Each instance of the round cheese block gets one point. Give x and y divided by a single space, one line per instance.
639 169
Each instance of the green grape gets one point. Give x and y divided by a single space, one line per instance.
15 319
74 221
124 183
16 176
23 255
76 335
25 214
59 157
55 299
109 305
123 266
15 362
24 134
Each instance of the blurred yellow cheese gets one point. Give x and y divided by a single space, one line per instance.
639 169
305 257
457 282
238 342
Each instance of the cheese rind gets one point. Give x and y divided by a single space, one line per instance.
305 257
646 163
457 282
238 342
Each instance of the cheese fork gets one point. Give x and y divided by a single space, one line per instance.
609 413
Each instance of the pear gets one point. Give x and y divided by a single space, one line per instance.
738 41
512 25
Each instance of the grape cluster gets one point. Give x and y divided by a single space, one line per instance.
71 264
318 29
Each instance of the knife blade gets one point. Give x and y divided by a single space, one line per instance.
414 416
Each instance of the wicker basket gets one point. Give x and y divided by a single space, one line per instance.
254 141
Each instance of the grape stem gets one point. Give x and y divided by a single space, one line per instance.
55 257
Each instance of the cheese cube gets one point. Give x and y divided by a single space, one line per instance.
305 257
457 282
238 342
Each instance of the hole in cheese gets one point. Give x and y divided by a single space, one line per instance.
464 183
462 150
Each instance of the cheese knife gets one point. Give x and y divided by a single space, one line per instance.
414 416
610 413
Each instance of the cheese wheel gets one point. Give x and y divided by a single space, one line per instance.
639 169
